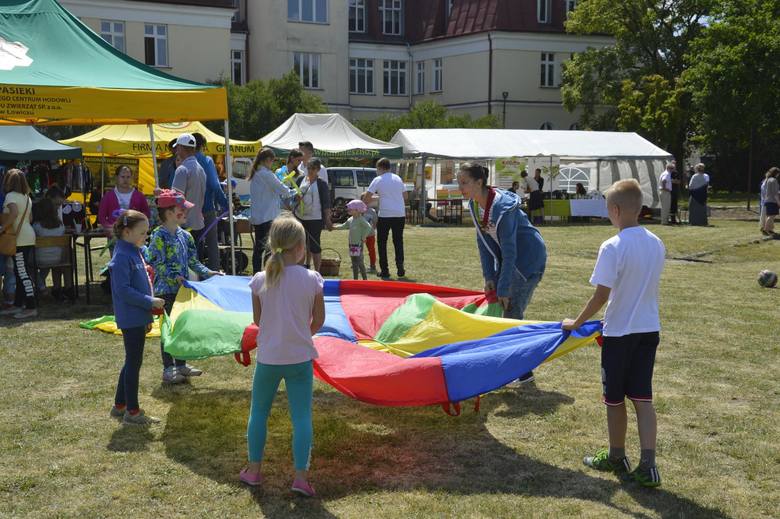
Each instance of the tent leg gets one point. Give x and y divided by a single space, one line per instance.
423 199
229 175
154 155
102 173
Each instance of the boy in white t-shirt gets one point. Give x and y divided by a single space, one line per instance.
627 276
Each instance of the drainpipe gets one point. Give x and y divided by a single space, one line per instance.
490 74
246 42
411 73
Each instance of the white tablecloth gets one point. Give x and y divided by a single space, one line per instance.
589 207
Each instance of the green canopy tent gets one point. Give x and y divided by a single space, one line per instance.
54 70
26 143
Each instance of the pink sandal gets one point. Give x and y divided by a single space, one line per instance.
303 488
253 479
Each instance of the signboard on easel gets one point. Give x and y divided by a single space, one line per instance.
508 170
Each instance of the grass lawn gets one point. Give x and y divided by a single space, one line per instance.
716 386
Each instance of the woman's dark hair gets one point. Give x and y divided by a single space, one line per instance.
476 172
46 212
262 155
294 154
119 169
127 220
162 213
383 163
55 192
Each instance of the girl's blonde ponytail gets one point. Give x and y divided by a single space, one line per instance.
285 234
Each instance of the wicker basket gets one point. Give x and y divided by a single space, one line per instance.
330 266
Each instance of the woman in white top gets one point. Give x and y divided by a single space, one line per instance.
48 224
771 200
17 210
697 204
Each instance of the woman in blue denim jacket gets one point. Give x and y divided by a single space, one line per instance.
511 250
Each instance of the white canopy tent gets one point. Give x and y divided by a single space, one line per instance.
332 136
604 157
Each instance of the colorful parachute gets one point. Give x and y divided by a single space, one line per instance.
386 343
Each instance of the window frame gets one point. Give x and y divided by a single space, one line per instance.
547 70
300 10
419 77
340 174
113 34
571 5
314 63
157 37
395 8
438 75
367 67
389 67
359 7
241 62
543 8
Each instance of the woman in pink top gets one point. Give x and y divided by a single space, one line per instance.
124 196
288 306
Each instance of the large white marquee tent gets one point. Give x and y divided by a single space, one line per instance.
603 157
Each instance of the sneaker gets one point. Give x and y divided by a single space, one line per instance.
384 275
401 273
600 461
140 418
26 314
648 477
117 413
372 269
11 310
303 488
172 376
189 371
253 479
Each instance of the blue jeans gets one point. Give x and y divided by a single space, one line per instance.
127 387
520 294
298 383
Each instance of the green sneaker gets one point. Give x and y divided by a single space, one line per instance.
648 477
601 461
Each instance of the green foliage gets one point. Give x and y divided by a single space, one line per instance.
734 77
260 106
428 114
634 84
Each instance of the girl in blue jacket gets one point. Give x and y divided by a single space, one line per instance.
131 291
511 250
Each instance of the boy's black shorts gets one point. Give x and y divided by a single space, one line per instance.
627 367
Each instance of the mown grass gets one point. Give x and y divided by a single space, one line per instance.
715 382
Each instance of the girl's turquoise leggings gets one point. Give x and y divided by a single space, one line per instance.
298 381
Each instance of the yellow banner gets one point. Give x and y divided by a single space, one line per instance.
21 104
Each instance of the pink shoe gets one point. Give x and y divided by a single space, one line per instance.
303 488
253 479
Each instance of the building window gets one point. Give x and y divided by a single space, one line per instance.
449 7
438 85
357 15
419 85
547 125
307 11
394 78
237 66
237 11
361 76
156 45
114 33
543 11
548 70
392 16
570 5
308 68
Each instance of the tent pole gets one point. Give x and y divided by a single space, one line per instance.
229 176
154 155
598 175
102 171
423 200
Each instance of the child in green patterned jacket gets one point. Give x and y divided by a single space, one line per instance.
172 253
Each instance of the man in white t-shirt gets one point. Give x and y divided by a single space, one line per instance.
392 215
307 148
627 277
665 188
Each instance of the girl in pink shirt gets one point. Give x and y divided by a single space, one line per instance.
288 306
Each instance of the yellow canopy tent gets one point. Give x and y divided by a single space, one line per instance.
132 141
57 71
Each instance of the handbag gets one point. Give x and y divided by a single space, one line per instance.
8 238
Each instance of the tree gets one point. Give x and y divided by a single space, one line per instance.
260 106
634 85
734 81
428 114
